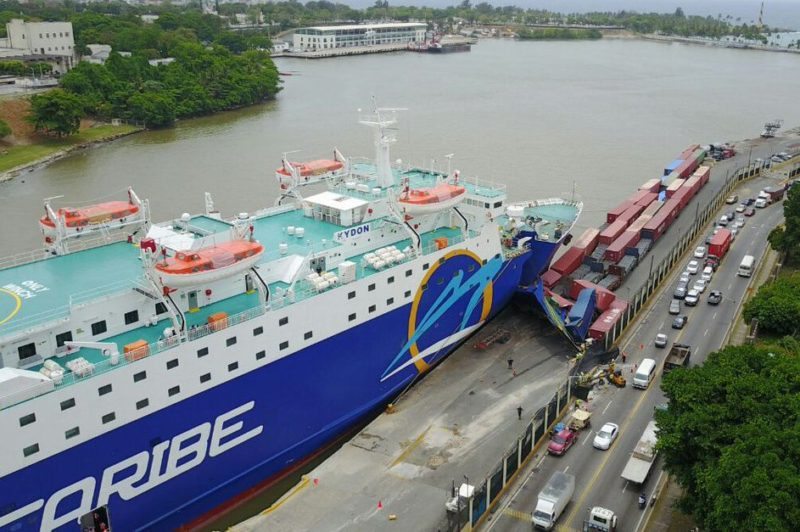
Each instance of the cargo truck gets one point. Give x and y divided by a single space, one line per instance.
644 454
601 520
678 357
720 243
552 500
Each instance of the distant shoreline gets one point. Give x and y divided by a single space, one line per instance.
700 41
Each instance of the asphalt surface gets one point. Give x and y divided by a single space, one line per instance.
598 480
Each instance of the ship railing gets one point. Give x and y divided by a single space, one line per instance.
272 211
105 292
35 255
25 257
229 321
24 326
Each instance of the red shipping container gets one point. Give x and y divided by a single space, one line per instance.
685 154
631 214
619 304
682 196
616 211
616 250
587 241
652 209
603 296
704 173
638 224
569 261
688 167
657 225
673 187
720 243
612 232
637 196
550 278
649 198
693 184
562 302
654 185
605 323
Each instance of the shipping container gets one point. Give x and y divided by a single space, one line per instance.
685 154
598 252
561 302
720 243
683 196
638 195
638 224
612 232
652 209
617 248
619 209
672 208
657 225
551 277
593 277
641 248
672 166
587 241
567 262
610 282
654 185
631 214
604 297
597 266
704 173
619 304
580 273
623 267
604 324
649 198
693 184
673 187
579 318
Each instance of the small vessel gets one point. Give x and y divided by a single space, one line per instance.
430 200
188 268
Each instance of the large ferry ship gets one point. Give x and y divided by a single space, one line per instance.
153 375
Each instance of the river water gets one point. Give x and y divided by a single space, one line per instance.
603 116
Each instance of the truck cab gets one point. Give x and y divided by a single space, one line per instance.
600 519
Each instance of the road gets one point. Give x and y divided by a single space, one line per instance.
598 481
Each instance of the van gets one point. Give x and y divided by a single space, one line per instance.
761 203
746 266
645 374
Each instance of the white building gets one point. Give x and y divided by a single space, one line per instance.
53 42
324 37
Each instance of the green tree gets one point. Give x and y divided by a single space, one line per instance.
731 438
5 129
155 108
777 306
789 240
56 112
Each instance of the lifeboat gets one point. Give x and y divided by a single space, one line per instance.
308 171
190 268
76 220
429 200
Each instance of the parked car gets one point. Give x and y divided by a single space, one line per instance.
562 441
741 207
685 277
680 322
740 221
708 273
700 252
693 267
734 232
714 297
733 198
606 436
713 261
680 291
692 297
723 221
674 307
750 211
661 338
749 201
700 285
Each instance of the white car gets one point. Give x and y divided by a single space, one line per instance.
684 278
693 267
741 207
691 298
661 340
700 285
740 221
708 273
700 252
606 436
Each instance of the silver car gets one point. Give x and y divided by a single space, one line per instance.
674 307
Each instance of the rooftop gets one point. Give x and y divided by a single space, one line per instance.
385 25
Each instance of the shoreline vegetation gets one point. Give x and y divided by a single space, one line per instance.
558 34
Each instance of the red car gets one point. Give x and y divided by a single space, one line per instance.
749 211
562 441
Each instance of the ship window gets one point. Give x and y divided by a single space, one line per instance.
142 404
408 273
108 418
104 389
260 355
351 317
175 390
390 301
62 338
426 266
27 351
371 287
498 204
258 330
171 364
31 449
131 317
283 345
372 308
351 295
27 420
142 375
69 403
161 308
390 280
233 366
308 335
202 352
205 377
283 321
408 293
486 205
99 327
71 433
230 341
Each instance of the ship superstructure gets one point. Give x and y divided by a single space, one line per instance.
152 373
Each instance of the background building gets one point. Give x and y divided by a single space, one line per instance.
322 37
51 42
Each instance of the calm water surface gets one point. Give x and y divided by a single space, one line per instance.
605 115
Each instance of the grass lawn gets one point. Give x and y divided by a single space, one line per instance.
14 156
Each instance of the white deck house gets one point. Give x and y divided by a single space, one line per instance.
327 37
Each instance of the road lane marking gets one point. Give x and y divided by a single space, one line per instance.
714 316
625 486
566 469
606 408
705 333
516 514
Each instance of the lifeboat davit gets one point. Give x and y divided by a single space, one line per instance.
429 200
77 220
308 170
190 268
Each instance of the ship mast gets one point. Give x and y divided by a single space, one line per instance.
380 121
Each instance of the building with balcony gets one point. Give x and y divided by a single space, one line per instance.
327 37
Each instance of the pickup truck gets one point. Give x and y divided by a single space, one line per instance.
678 357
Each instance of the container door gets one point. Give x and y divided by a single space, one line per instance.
193 299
